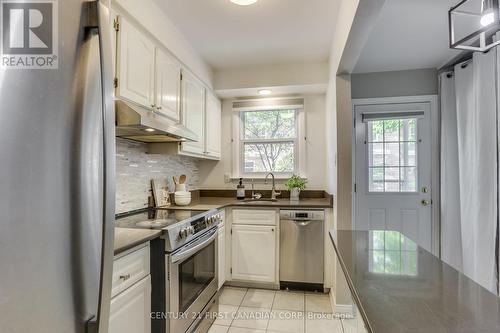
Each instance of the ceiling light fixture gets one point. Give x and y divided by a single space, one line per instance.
488 15
149 129
473 25
265 92
244 2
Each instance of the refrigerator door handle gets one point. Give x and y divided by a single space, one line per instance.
98 18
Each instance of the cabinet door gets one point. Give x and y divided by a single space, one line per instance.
168 85
130 310
254 253
193 113
213 128
136 65
222 256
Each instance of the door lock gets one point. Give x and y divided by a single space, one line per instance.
425 189
425 202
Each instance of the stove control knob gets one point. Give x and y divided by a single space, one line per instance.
190 230
183 233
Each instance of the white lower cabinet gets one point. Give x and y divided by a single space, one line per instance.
221 267
130 310
254 253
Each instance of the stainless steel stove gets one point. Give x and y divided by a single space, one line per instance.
190 263
180 226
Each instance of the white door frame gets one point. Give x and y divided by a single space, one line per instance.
435 157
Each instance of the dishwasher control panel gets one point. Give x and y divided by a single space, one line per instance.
308 215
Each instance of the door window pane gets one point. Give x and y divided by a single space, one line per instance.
376 179
376 154
408 154
408 179
391 152
376 131
391 130
392 155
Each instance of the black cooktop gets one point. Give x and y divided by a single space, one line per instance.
154 218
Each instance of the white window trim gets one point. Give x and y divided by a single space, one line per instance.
237 146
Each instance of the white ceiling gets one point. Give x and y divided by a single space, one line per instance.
409 34
268 32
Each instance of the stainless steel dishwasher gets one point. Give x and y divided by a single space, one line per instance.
302 249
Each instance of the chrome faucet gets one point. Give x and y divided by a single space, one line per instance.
274 194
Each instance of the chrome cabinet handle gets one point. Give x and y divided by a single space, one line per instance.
125 277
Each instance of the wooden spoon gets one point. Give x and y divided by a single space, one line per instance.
175 180
182 179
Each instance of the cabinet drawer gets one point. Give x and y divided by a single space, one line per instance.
129 269
254 217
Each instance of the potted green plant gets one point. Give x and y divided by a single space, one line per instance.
295 184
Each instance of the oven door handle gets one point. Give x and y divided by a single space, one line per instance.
195 247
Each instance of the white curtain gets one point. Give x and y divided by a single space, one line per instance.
476 131
451 236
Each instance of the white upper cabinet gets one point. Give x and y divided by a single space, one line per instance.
193 113
168 85
148 75
213 127
135 65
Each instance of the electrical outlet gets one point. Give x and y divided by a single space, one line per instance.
227 178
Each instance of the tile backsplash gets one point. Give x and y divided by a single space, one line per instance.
135 169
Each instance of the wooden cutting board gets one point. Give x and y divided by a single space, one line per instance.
160 192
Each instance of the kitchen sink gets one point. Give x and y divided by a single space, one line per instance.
257 201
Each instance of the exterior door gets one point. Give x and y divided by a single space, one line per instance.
393 169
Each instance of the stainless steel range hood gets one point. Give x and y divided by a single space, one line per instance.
140 124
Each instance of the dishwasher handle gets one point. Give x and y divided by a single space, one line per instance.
302 223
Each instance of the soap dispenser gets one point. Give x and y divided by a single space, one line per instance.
240 190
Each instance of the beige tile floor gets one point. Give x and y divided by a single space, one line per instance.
243 310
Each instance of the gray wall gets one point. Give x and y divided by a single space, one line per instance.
398 83
135 169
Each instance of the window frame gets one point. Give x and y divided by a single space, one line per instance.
383 142
238 140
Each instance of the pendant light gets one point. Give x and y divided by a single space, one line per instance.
473 25
487 13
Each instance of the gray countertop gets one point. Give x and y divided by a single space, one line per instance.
400 287
127 238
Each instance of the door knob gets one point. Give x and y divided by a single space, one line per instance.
425 202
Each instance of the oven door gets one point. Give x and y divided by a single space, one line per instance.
192 280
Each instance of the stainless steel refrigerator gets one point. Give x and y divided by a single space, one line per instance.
57 150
